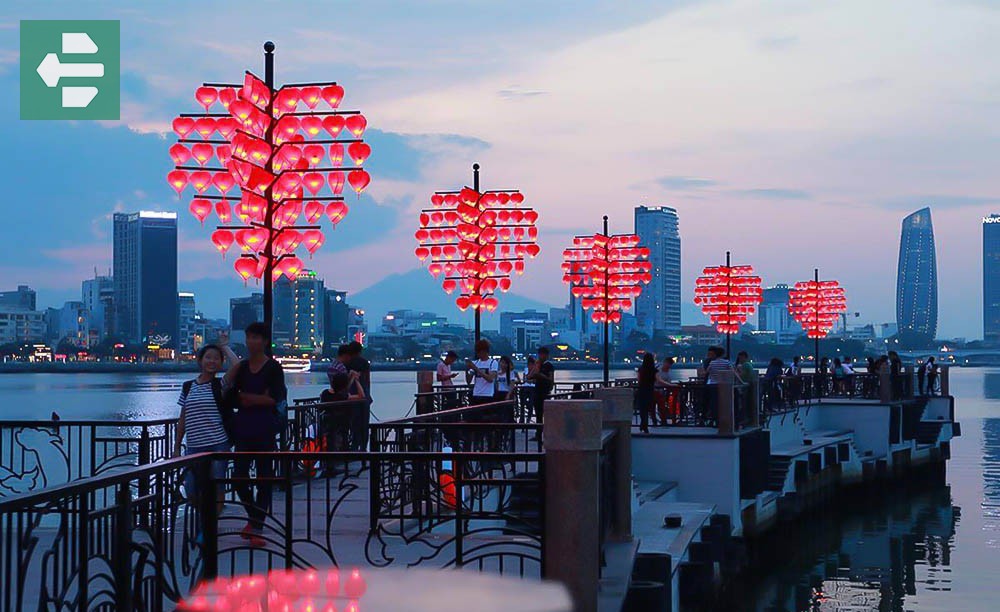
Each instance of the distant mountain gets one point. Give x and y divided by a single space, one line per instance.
418 290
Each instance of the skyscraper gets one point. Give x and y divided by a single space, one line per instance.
185 322
991 278
658 308
145 277
336 316
98 295
916 278
310 309
773 315
242 312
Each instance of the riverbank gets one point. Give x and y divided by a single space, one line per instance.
110 367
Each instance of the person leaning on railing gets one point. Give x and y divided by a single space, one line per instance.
206 416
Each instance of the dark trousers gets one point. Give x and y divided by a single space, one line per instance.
360 422
538 400
644 401
257 504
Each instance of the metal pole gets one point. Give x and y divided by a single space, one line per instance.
729 301
478 313
816 319
269 216
607 365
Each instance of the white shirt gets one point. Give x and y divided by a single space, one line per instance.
483 387
527 382
444 375
847 368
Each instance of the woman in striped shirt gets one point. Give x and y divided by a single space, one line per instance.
204 415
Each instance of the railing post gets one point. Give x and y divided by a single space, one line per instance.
209 512
83 550
726 417
617 414
121 554
572 432
943 376
144 446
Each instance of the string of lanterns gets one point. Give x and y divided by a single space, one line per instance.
256 177
475 241
607 273
817 305
728 295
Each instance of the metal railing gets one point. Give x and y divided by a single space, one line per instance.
35 455
132 540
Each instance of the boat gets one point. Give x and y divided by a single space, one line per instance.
294 364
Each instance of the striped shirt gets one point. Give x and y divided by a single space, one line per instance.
202 420
715 371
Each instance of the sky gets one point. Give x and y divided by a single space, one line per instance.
794 134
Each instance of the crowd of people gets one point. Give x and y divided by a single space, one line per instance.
246 408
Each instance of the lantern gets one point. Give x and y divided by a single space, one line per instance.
268 160
460 238
728 295
817 305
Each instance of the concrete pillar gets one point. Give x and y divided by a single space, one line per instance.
943 379
727 416
425 384
617 415
572 431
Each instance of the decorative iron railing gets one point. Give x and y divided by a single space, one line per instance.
132 540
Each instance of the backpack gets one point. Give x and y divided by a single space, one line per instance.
224 406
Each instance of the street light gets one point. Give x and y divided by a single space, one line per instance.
269 155
606 272
728 295
474 241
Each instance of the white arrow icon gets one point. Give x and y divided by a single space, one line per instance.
51 70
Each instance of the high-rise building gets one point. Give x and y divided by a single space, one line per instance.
242 312
658 308
186 322
98 295
283 312
991 278
22 298
916 277
525 330
309 312
21 325
145 277
336 313
74 324
773 315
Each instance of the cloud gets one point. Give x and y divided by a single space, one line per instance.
938 201
773 194
516 91
685 183
777 43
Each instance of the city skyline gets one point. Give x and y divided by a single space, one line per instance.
661 146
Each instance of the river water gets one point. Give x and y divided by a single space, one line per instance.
930 547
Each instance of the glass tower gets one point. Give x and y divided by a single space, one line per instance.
145 277
916 277
991 278
658 308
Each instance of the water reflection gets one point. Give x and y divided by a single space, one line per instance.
991 385
872 553
991 481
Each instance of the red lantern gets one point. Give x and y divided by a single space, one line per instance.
268 158
222 239
358 179
472 220
728 295
817 305
356 125
359 152
200 209
602 273
333 94
206 96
